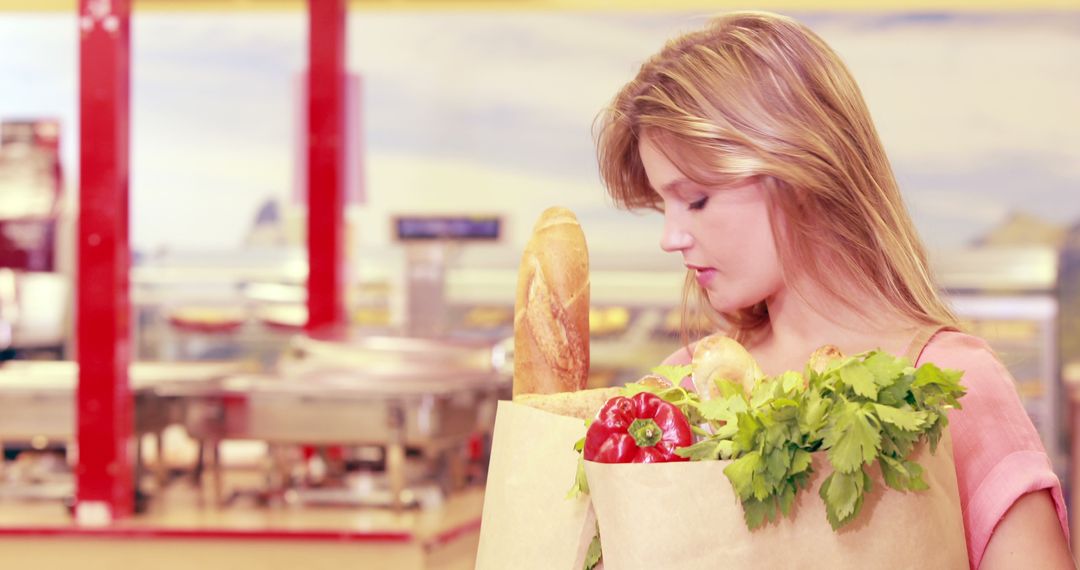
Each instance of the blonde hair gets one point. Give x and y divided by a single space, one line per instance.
758 95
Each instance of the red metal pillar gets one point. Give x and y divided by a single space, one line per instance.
326 165
104 402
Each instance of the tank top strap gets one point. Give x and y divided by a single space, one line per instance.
922 338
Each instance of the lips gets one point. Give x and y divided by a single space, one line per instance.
704 275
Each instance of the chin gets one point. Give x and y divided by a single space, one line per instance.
731 304
723 304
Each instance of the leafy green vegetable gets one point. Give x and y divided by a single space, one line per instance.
858 410
595 554
673 373
580 487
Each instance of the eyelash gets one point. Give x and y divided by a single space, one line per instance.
699 204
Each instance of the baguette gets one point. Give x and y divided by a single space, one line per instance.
551 312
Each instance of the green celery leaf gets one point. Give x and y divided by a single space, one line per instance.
581 484
787 499
903 418
916 483
895 473
934 433
801 461
762 394
792 382
885 367
778 403
843 495
748 426
898 442
812 414
777 434
595 553
948 380
896 394
756 512
860 379
673 373
729 389
851 440
704 450
777 461
844 492
741 474
722 409
727 449
761 487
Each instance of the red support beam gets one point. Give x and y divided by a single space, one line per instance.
104 431
326 165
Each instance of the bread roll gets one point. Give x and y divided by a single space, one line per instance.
551 314
719 357
821 358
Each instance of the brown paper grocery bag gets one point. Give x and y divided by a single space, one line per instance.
686 516
528 522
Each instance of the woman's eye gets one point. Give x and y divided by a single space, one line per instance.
699 204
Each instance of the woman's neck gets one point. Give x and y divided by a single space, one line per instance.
799 324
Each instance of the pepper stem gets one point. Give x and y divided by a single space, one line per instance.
645 432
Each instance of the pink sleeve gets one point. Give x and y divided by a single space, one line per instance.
999 456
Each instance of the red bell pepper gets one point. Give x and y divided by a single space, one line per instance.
641 429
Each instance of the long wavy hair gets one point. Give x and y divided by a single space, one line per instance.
755 94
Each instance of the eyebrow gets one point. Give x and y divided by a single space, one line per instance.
676 186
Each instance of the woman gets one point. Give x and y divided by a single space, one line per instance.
754 141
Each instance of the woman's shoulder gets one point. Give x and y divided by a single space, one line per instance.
956 349
982 367
992 408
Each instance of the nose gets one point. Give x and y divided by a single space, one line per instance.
675 238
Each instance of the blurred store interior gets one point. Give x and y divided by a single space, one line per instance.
350 426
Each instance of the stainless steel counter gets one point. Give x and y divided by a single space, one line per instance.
393 393
37 399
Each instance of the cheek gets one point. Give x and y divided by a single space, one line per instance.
748 254
743 235
758 274
760 252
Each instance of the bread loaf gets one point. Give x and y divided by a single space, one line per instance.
551 313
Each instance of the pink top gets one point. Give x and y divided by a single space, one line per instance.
999 456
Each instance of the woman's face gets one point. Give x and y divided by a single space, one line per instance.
723 233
